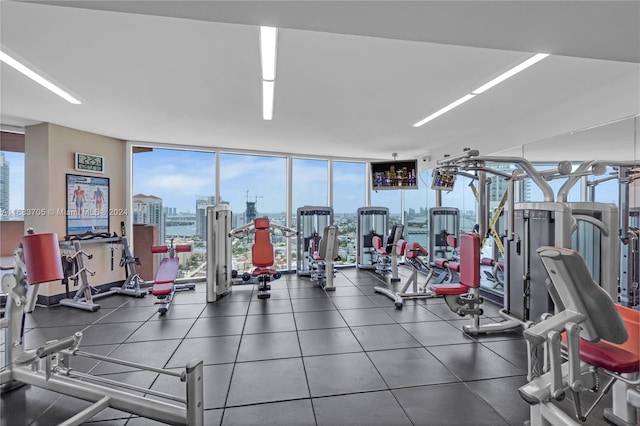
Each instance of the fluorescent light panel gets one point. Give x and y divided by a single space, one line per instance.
449 107
268 88
37 78
513 71
268 42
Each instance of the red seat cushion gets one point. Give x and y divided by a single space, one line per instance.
605 355
262 250
441 263
160 289
448 289
487 261
263 271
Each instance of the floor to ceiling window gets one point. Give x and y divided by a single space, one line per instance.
172 189
255 186
348 195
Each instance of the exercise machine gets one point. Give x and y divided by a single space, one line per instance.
463 297
417 257
164 283
601 339
75 269
321 261
310 222
262 256
386 254
50 366
219 272
371 221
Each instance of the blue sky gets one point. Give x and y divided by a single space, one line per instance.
178 176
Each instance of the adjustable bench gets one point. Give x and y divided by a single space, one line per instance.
463 297
164 284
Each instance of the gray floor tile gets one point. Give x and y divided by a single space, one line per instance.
340 374
329 341
371 408
313 304
474 362
211 350
126 314
410 367
353 302
514 351
63 316
442 405
287 413
442 310
410 313
216 326
269 323
318 319
161 330
500 395
267 381
268 306
346 292
255 347
434 333
180 311
370 316
220 309
385 336
308 291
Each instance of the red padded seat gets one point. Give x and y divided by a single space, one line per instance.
377 244
452 241
401 247
413 250
605 355
166 275
447 289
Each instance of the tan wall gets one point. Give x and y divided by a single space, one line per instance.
50 155
11 232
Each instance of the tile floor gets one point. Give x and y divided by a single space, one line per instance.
303 357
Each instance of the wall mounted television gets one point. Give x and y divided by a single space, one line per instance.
443 180
394 175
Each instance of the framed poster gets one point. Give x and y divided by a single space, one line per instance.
87 204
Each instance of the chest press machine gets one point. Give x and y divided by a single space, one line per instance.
164 284
37 261
602 338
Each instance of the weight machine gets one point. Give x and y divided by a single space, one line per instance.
76 270
371 221
321 263
37 261
310 222
219 272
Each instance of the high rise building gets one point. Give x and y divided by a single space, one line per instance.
202 202
148 209
4 184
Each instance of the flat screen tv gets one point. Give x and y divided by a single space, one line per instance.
394 175
443 180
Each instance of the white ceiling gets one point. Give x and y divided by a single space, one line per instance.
352 77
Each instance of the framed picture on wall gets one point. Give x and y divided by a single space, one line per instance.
87 204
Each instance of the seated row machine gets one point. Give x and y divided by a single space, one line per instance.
463 297
602 338
164 284
416 256
37 261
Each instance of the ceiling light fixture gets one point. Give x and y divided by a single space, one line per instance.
513 71
502 77
268 48
268 88
37 78
449 107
